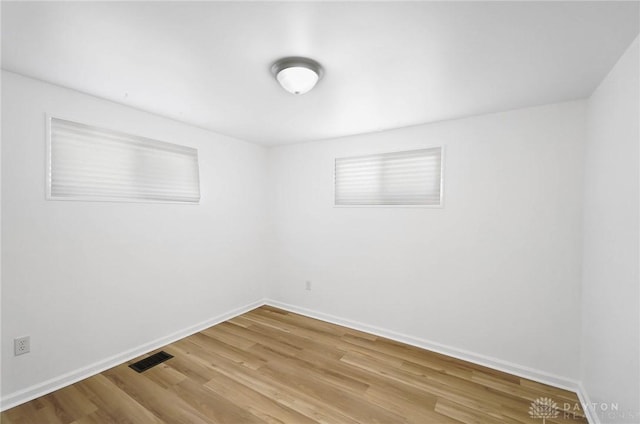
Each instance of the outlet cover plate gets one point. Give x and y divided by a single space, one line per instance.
21 345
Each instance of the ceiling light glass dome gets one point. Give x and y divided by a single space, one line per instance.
297 75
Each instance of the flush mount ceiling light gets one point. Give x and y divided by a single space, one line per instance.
297 75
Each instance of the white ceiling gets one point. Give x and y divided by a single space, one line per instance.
387 64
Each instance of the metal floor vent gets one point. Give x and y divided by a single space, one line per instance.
151 361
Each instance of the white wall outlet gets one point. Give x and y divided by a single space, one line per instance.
307 285
21 345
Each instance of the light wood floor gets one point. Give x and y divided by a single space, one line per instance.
271 366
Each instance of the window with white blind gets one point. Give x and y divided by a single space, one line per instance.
410 178
91 163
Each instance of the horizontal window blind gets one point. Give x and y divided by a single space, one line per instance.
400 178
90 163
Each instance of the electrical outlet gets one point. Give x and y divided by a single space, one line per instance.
21 345
307 285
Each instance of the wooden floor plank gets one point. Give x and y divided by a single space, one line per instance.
269 410
115 402
270 366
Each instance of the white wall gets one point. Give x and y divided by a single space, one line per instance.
495 272
88 280
611 288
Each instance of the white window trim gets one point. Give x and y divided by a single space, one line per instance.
442 171
48 182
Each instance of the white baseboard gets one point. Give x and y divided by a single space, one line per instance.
46 387
585 401
465 355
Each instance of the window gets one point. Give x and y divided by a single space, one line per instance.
90 163
411 178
